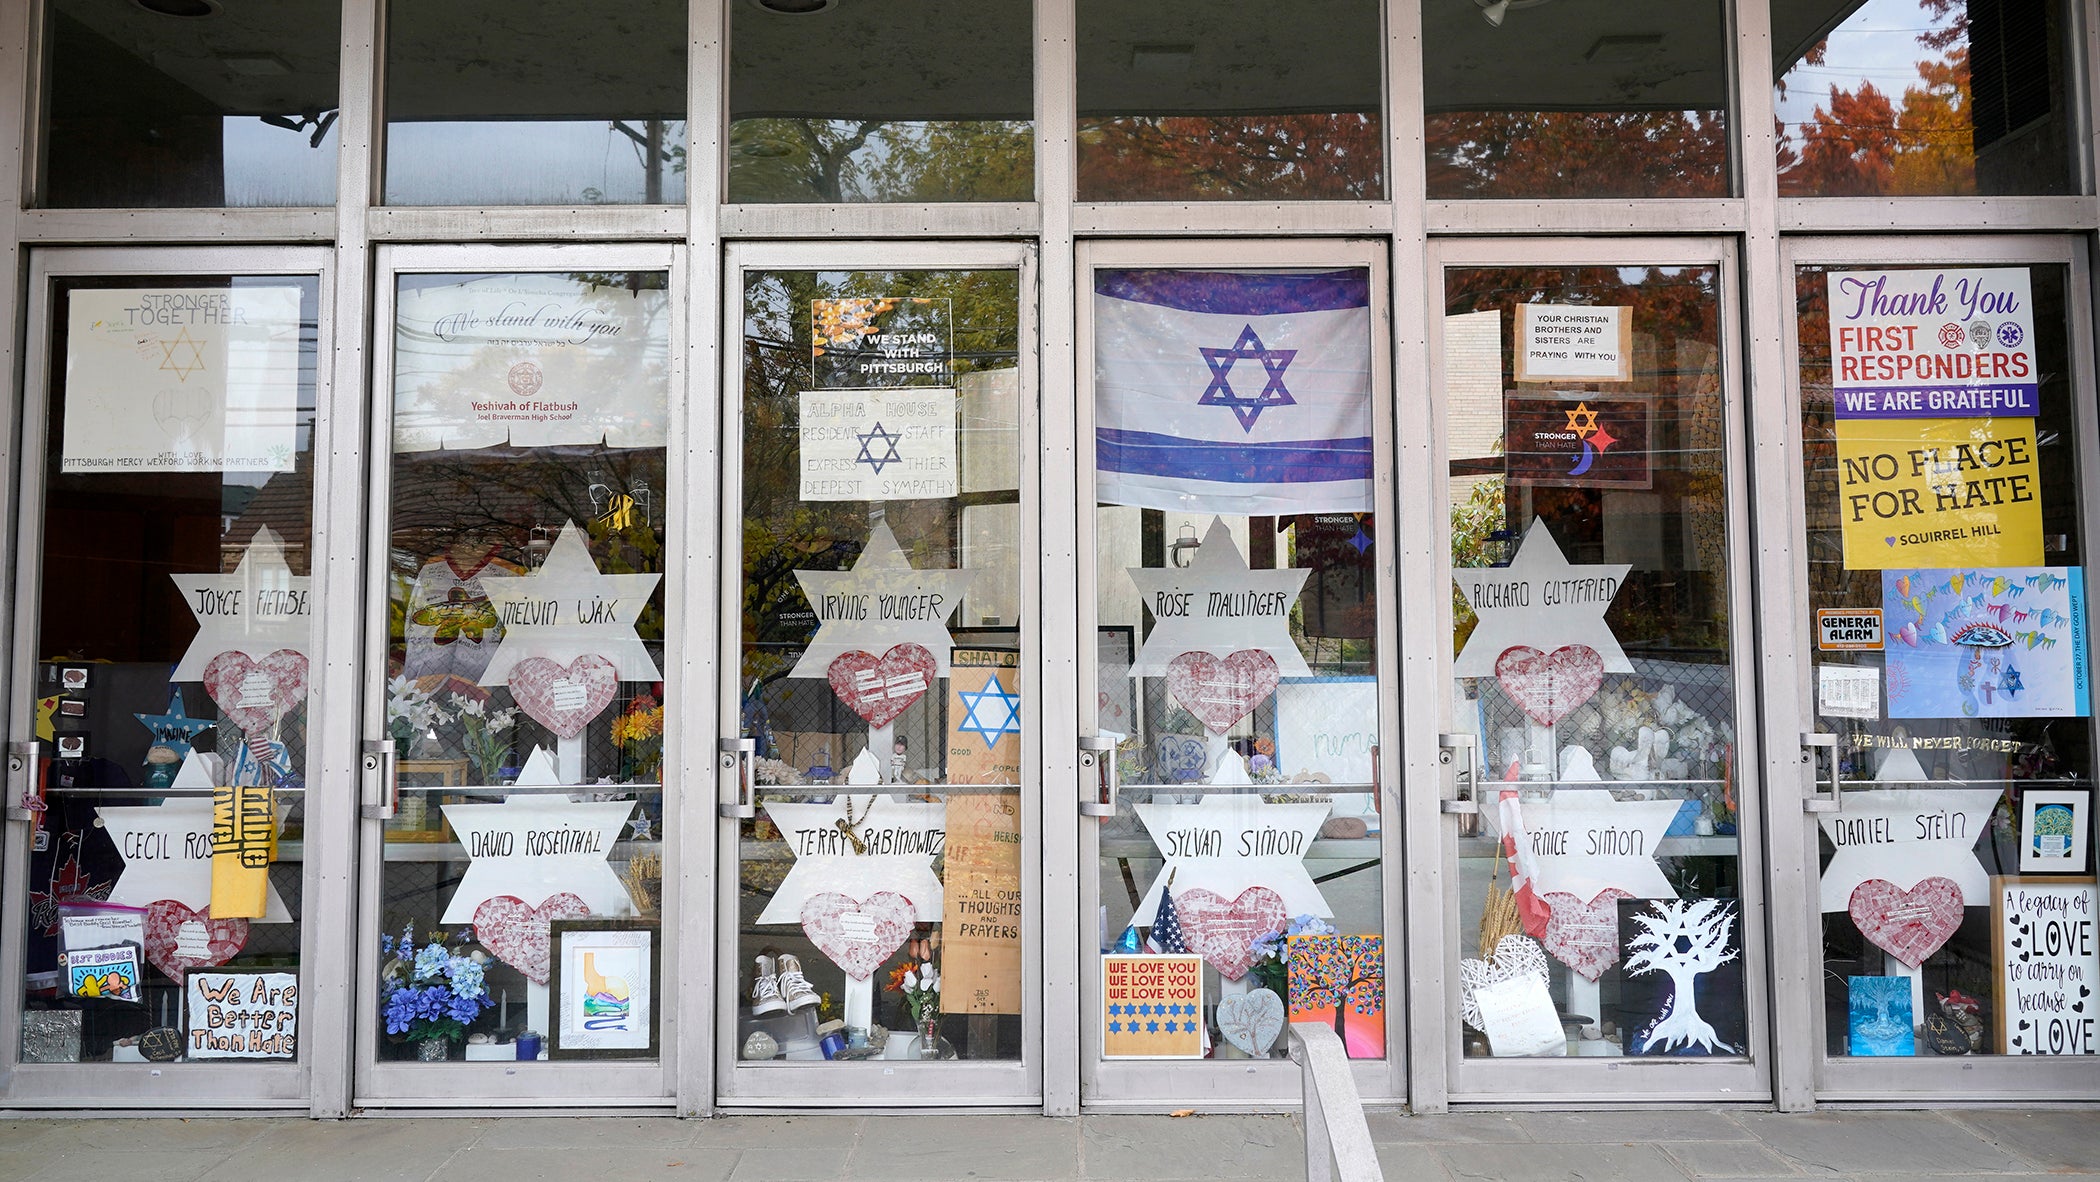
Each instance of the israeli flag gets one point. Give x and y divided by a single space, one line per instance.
1233 392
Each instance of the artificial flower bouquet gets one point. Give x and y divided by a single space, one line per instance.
433 991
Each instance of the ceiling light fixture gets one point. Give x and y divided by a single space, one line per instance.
181 8
794 7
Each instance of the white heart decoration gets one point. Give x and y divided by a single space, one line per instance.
1515 956
1251 1020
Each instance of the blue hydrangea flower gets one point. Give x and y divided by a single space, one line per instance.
431 962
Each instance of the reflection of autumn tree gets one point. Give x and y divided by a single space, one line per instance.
1578 154
1278 157
1344 972
1863 144
881 160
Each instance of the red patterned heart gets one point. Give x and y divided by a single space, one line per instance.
1908 925
1585 936
879 689
564 700
1549 686
858 935
178 938
1223 931
1220 691
255 694
517 934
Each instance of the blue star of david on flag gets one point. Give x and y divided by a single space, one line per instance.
867 443
1247 407
991 713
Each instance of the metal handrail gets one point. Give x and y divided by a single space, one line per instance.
1337 1140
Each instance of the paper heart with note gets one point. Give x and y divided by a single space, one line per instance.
179 939
255 694
1220 691
880 688
1223 931
1549 686
858 934
1908 925
518 933
564 699
1584 936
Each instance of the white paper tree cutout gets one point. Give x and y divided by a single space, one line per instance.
1702 927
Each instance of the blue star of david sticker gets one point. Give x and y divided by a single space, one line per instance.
991 712
867 443
176 728
1248 408
1361 541
1153 1028
1115 1027
2010 684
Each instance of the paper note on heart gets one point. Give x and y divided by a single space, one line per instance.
564 700
857 935
1251 1020
1908 925
1515 956
1585 936
878 689
517 933
1220 691
1549 686
255 694
179 939
1222 931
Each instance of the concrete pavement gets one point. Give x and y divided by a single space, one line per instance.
1663 1146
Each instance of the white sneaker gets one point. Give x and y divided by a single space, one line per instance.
794 986
765 990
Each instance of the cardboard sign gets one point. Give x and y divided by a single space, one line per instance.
235 1014
1152 1007
878 445
984 717
1939 492
1986 642
1578 441
2048 966
881 341
1556 342
981 908
1933 343
1848 629
182 379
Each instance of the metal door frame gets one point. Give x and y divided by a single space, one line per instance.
1625 1079
565 1084
1001 1083
323 900
1794 837
1156 1085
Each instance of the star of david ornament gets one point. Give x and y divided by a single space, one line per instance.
567 609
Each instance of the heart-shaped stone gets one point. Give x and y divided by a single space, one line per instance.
1180 759
255 694
564 699
1584 936
1908 925
178 939
1220 691
1251 1020
880 688
517 933
1223 931
858 935
1515 956
1549 686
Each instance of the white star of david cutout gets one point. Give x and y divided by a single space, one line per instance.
1203 844
825 861
167 852
1228 608
1541 601
566 609
1906 835
1587 841
260 607
531 847
881 603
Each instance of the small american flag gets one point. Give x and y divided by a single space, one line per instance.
1166 927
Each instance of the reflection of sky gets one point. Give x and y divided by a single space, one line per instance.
513 163
1878 44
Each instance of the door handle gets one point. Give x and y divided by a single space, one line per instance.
380 789
1097 774
1463 803
22 799
1815 801
739 756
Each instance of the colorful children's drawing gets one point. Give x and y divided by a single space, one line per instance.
1341 980
1989 642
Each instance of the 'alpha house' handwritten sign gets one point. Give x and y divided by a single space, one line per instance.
2048 956
1932 344
1152 1007
1939 492
242 1015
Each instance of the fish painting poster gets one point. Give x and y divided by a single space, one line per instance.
1986 642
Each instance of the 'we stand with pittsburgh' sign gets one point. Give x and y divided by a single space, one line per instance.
2048 957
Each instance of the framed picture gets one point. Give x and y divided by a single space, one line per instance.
602 982
2055 824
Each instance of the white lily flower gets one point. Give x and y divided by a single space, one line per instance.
911 979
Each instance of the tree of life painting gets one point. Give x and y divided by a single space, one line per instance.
1342 979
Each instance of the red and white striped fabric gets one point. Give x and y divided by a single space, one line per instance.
1523 867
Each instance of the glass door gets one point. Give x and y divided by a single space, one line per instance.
1946 445
177 445
521 664
879 788
1597 835
1235 426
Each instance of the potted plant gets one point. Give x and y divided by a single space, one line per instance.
429 995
